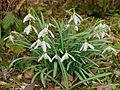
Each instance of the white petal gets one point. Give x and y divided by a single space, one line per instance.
64 57
76 28
90 46
27 18
40 34
107 34
35 29
51 33
82 47
27 29
38 44
54 57
79 16
48 45
49 58
52 25
75 19
71 18
105 49
33 44
85 47
102 34
98 36
113 49
41 57
44 46
11 38
6 38
72 57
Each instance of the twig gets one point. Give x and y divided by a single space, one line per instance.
19 5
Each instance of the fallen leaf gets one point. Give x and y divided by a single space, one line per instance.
49 12
29 73
29 87
2 83
117 73
19 76
0 59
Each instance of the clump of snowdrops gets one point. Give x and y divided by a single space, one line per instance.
61 50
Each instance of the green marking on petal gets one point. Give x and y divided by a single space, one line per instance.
109 50
45 57
67 57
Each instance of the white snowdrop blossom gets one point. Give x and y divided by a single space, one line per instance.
10 37
45 56
77 19
66 56
29 28
28 17
44 45
103 34
109 48
37 43
56 57
85 46
44 32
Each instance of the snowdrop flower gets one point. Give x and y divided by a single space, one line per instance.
29 28
85 46
67 25
28 17
10 37
66 56
44 45
97 35
99 26
106 26
109 48
77 18
37 43
44 32
103 34
45 56
57 57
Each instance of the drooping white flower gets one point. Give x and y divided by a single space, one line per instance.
106 26
99 26
29 28
57 57
44 32
85 46
10 37
44 45
97 35
103 34
45 56
66 56
77 18
109 48
28 17
37 43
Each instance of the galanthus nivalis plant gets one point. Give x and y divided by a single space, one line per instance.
55 61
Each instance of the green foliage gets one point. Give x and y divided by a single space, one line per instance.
68 40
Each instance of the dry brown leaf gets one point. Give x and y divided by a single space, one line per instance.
49 12
29 87
29 73
117 73
19 76
2 83
57 88
0 59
